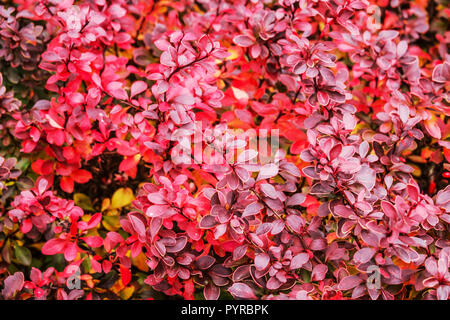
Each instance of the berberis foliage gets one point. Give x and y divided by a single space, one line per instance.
102 102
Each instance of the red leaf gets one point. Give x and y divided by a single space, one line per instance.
81 176
67 184
125 275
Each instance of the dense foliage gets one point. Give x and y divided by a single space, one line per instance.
101 102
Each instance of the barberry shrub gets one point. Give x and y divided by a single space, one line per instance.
286 149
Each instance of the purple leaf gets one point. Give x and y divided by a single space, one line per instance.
252 209
342 211
363 255
211 292
205 262
295 222
349 282
321 188
185 99
241 273
240 252
277 226
269 190
296 199
207 222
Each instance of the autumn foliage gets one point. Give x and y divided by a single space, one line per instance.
98 98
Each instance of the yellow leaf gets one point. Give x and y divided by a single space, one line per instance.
105 204
126 293
113 212
111 223
417 172
234 54
121 198
117 286
83 201
417 159
37 246
140 262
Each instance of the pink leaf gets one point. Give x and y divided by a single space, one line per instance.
243 41
13 283
186 99
269 190
137 221
252 209
70 253
363 255
54 246
389 210
295 222
299 260
211 292
296 199
349 282
319 272
242 290
432 128
261 261
138 87
268 171
115 88
94 241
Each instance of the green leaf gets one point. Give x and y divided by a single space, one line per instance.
23 255
306 276
23 164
